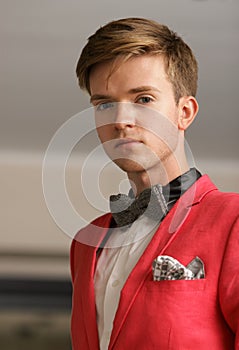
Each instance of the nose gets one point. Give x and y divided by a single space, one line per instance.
124 116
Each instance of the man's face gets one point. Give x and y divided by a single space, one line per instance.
136 112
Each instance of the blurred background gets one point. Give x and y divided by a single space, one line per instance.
40 44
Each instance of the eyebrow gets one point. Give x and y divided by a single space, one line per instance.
97 97
143 89
136 90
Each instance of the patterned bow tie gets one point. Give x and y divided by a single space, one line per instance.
155 202
151 202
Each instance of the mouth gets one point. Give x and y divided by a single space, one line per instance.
126 142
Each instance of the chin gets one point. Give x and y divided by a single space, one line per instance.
129 166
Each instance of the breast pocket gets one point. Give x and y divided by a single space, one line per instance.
175 285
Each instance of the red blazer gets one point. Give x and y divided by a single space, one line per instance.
177 315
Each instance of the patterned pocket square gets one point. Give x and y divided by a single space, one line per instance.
167 268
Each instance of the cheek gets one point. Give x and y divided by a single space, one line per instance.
163 131
162 145
104 133
156 145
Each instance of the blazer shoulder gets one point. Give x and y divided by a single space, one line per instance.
92 233
102 221
206 189
224 204
230 198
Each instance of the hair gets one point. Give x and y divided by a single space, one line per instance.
131 37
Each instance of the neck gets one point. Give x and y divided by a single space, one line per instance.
160 174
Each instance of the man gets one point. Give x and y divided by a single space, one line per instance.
161 271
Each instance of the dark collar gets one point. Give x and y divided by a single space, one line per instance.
177 187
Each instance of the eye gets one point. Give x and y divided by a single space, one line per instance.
104 106
145 99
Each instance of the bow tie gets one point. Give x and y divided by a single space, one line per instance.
151 202
154 202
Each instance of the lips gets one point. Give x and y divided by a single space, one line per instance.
126 141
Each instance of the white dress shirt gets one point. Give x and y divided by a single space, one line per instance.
118 258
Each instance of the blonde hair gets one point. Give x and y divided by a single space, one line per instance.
131 37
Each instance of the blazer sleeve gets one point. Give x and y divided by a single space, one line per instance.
229 282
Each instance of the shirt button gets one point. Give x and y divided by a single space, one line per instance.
115 283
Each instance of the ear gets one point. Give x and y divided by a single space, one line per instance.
188 108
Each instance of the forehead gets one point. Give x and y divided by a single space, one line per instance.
135 71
